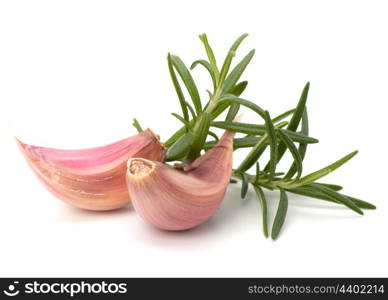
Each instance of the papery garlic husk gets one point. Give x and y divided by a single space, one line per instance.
177 200
92 179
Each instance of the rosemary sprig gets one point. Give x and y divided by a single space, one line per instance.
276 135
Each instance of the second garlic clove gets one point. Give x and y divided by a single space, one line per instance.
177 200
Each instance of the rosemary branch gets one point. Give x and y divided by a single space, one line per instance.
275 134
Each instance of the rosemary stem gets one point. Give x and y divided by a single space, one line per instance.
209 109
213 101
252 179
263 181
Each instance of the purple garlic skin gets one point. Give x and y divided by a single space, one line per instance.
92 179
175 200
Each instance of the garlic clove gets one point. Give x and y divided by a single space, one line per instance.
177 200
94 178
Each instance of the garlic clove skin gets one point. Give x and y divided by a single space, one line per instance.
92 179
178 200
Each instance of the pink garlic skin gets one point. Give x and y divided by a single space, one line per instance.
92 179
178 200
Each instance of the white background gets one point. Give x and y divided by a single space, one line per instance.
73 74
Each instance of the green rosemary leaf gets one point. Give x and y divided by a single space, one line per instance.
361 203
272 144
239 88
244 185
181 147
338 197
136 124
295 120
299 137
254 129
313 193
334 187
293 150
263 203
245 142
254 154
210 56
302 146
219 110
233 111
229 99
186 123
175 137
241 127
283 115
188 81
200 131
178 89
297 116
229 57
233 180
322 172
191 110
211 133
309 191
238 41
208 67
279 174
280 216
236 73
226 66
